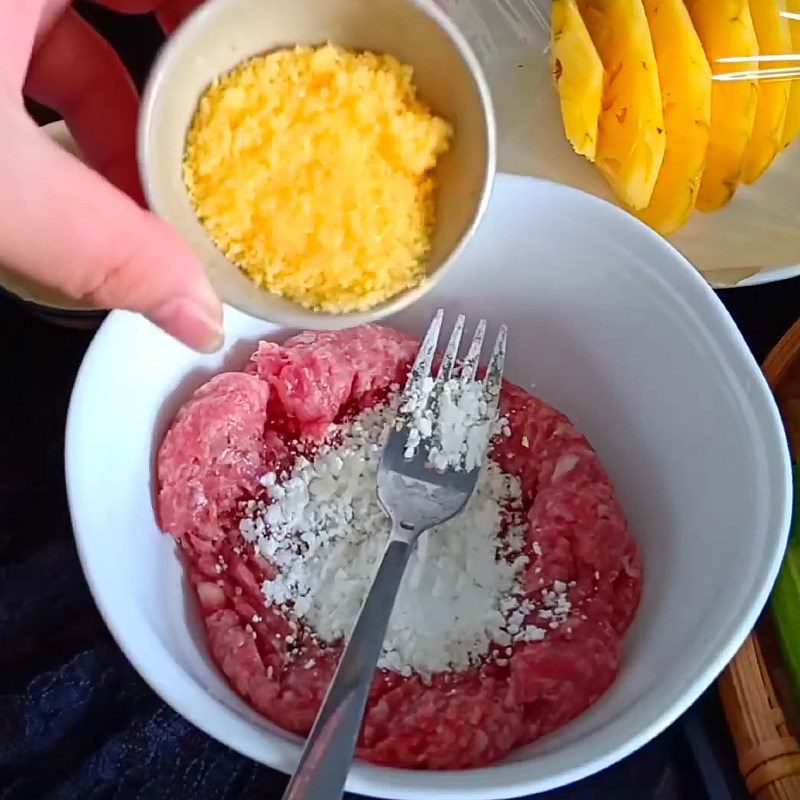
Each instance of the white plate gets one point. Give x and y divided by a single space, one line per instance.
612 326
754 239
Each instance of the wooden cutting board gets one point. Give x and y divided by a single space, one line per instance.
756 691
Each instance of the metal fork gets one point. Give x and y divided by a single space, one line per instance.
416 497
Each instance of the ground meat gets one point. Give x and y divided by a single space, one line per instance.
241 425
211 456
316 375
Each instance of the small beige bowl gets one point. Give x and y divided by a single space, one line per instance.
222 33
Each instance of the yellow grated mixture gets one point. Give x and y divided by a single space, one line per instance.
311 168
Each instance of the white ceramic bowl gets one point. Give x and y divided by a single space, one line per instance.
608 323
222 33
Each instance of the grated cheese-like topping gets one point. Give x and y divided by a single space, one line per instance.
311 169
325 532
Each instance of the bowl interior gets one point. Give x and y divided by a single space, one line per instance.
223 33
609 324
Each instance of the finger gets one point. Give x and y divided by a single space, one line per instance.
76 72
63 225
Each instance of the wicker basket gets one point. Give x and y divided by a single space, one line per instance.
757 695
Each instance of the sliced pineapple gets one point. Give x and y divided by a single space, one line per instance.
774 38
631 139
792 126
725 28
685 78
579 76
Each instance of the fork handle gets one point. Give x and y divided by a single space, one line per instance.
329 749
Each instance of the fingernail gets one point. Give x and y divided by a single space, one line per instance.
191 322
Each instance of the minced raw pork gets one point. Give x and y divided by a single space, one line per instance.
240 426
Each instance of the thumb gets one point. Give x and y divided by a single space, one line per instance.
63 225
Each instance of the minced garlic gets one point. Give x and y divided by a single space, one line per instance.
311 168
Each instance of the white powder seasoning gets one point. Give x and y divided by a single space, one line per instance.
325 532
452 419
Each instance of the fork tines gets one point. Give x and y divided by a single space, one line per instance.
454 408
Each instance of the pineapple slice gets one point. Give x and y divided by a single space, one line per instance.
726 28
685 78
631 139
579 76
774 37
792 126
